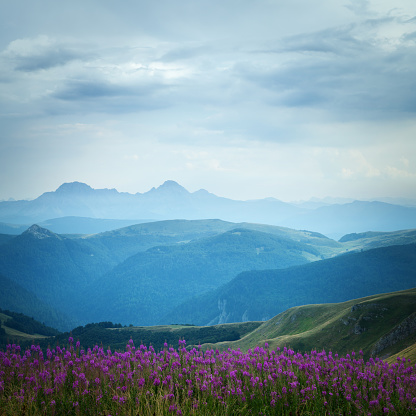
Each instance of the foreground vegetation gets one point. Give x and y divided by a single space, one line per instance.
184 381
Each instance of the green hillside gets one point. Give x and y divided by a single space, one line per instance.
139 274
379 325
19 328
78 276
259 295
14 297
54 268
128 241
147 285
408 353
373 239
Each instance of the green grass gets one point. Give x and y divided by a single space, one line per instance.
335 326
408 353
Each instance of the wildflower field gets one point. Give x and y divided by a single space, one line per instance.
141 381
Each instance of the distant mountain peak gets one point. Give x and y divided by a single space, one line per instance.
40 233
74 187
170 186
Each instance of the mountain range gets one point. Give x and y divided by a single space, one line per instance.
77 208
194 271
259 295
138 268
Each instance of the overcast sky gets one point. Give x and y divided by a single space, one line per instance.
244 98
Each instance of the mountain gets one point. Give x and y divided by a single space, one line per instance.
371 239
380 325
15 298
54 268
78 276
17 328
168 201
145 286
128 241
259 295
138 274
359 216
70 199
172 201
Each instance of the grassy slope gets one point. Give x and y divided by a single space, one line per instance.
127 241
341 327
369 240
409 353
334 326
14 334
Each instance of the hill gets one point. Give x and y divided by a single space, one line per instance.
371 239
54 268
380 325
147 285
14 297
78 276
408 353
127 241
17 327
259 295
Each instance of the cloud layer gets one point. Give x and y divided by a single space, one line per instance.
244 99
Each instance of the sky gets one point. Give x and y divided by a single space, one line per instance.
246 99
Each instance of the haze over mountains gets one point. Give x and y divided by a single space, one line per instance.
259 295
172 201
149 273
139 267
101 255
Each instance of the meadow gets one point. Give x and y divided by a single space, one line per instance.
193 381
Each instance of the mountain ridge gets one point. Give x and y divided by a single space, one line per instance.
374 324
172 201
337 279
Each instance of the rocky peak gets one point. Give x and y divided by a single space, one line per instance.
40 233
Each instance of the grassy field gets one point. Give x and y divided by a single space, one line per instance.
358 324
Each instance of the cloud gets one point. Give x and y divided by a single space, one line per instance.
349 72
260 86
74 90
183 53
39 53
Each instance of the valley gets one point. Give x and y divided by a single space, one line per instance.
380 326
243 288
197 273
